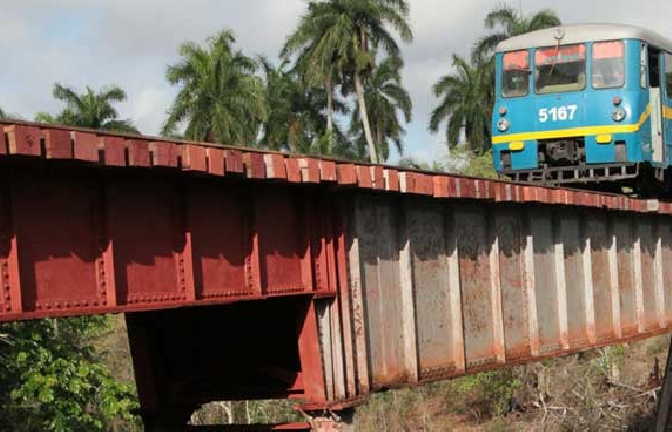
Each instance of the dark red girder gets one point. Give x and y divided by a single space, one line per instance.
323 279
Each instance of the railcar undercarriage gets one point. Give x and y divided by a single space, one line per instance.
563 162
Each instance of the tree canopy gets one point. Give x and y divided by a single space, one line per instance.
296 120
219 97
465 102
52 379
510 22
343 37
386 100
467 94
89 109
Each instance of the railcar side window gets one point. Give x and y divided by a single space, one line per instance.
608 64
643 66
516 75
561 68
668 74
654 67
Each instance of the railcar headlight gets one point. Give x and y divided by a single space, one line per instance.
618 115
503 125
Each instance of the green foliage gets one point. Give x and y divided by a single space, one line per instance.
89 109
656 346
343 35
341 38
296 121
220 98
411 163
433 406
467 94
461 161
466 99
480 165
511 22
609 358
386 99
53 380
489 393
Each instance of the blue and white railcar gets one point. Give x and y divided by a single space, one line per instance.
588 103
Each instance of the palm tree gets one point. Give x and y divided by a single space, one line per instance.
3 115
385 97
341 37
512 23
466 102
295 121
314 64
89 109
220 98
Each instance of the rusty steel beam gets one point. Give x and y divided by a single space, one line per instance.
442 288
360 277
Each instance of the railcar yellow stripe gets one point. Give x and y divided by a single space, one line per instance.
582 131
667 112
645 115
567 133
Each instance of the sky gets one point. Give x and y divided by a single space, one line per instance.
129 43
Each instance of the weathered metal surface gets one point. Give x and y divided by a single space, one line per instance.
529 282
78 241
387 277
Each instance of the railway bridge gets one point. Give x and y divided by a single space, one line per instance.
246 274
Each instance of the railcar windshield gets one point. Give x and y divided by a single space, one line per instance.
608 64
561 68
516 75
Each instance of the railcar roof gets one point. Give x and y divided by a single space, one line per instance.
577 33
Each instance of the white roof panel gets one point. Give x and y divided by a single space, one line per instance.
577 33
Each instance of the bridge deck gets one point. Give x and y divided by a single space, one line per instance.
329 279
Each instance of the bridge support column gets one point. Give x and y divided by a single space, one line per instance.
332 422
663 422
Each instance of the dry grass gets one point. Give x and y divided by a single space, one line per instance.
607 389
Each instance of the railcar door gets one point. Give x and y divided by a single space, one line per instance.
656 96
666 108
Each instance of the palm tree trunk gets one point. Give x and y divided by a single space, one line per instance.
330 112
373 155
330 105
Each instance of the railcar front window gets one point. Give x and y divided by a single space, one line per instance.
608 64
561 68
516 76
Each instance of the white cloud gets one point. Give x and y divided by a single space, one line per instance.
130 42
148 109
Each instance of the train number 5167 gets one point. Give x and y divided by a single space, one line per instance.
557 113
